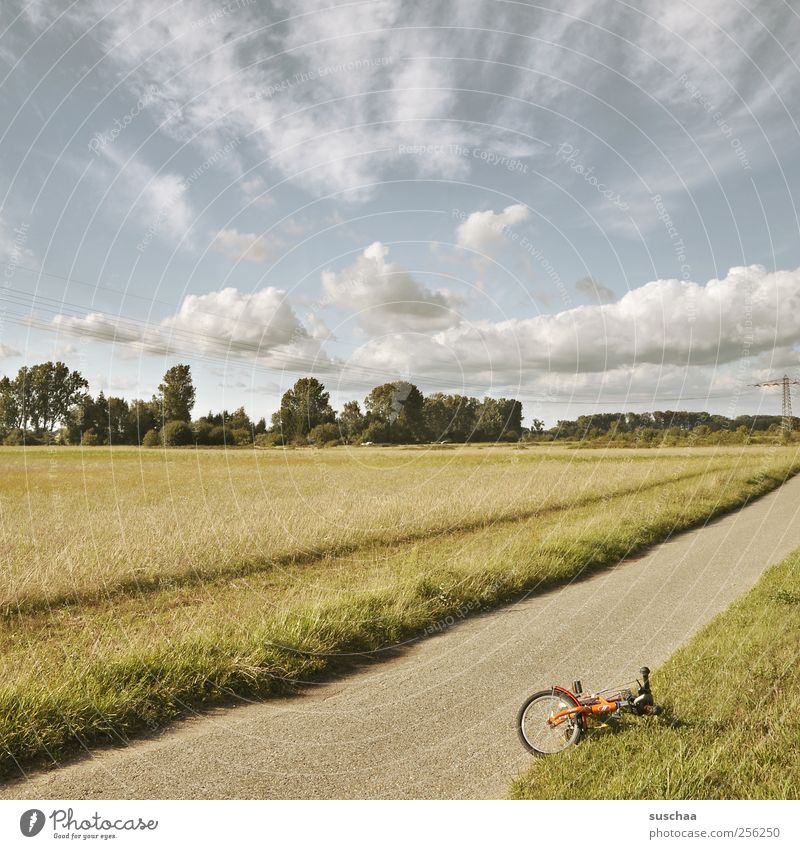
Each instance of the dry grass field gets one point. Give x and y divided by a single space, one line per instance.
138 584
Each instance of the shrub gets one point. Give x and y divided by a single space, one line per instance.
221 435
242 436
202 433
177 433
376 432
325 434
90 438
21 437
151 439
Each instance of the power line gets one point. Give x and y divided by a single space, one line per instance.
785 383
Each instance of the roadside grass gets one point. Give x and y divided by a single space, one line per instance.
733 715
74 675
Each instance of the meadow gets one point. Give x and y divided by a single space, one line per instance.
137 585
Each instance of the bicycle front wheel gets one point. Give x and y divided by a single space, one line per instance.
536 734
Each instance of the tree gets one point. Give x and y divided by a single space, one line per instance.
118 412
143 416
10 413
351 421
238 418
40 397
303 407
500 418
176 394
99 423
398 405
452 417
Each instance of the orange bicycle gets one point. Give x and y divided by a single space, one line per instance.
553 720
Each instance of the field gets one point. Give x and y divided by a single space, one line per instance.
733 720
140 584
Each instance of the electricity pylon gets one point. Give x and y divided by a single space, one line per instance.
785 382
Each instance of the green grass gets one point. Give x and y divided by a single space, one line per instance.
733 715
99 655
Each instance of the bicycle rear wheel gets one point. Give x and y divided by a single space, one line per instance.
533 729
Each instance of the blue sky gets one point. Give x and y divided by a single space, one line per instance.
592 209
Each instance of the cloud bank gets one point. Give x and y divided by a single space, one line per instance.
749 312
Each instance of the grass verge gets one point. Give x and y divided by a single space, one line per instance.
733 715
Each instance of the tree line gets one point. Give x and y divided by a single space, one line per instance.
49 403
670 426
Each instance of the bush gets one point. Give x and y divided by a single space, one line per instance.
177 433
151 439
325 434
268 440
242 436
376 432
90 438
202 433
221 435
21 437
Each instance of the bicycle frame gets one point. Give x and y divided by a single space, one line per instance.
596 704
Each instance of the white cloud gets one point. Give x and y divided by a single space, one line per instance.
386 297
329 112
231 319
665 323
244 246
227 322
6 351
484 231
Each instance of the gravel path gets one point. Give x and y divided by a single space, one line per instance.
438 720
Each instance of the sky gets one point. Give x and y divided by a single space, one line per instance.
587 206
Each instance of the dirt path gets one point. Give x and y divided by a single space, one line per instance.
438 721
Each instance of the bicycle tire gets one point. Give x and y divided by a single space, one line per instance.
555 696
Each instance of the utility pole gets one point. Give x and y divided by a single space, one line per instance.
785 382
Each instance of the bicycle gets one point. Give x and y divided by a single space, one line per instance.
555 719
